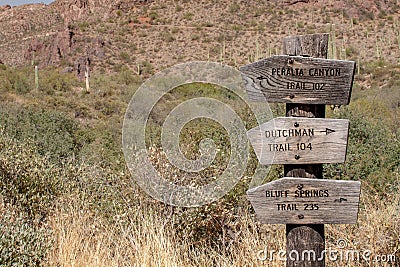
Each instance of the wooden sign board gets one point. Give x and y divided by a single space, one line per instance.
290 79
306 201
299 140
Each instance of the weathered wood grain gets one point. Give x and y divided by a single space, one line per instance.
294 79
310 45
306 201
302 237
297 140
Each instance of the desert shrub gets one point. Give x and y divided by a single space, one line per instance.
22 80
210 222
373 154
153 15
234 8
105 148
188 16
52 132
124 56
27 180
15 80
103 84
51 81
21 242
58 137
32 186
118 87
167 36
126 77
352 52
20 84
83 25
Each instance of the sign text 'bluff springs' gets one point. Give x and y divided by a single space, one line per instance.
304 200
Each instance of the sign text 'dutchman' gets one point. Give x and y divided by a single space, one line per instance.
295 140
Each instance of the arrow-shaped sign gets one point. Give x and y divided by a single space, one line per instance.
316 201
290 79
295 140
328 131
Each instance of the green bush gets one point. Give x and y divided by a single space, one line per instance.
53 133
32 186
21 81
51 80
126 77
28 180
188 16
373 154
206 222
167 36
124 56
14 80
21 242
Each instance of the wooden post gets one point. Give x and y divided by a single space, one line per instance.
306 81
301 238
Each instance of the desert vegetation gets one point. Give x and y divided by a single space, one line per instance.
67 197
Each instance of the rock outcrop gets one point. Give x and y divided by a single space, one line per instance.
49 53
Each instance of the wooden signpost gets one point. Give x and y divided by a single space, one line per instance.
300 140
304 200
306 83
290 79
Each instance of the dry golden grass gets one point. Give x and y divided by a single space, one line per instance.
148 239
378 230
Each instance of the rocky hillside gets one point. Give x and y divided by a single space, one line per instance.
149 35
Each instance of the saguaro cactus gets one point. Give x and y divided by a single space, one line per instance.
87 74
36 78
